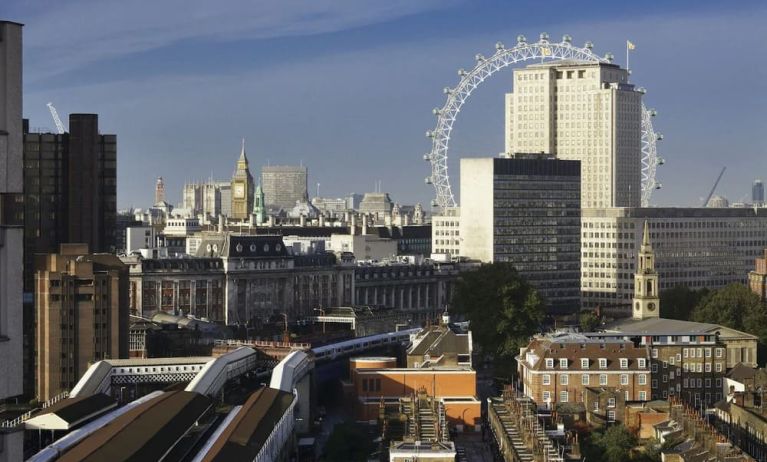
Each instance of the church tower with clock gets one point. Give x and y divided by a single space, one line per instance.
646 300
242 188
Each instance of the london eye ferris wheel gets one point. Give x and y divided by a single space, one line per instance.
543 49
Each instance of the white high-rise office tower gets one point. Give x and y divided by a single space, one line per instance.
11 228
581 111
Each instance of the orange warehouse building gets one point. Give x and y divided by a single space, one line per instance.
376 381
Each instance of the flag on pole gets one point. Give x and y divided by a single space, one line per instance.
630 45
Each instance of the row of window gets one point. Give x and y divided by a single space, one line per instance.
585 363
564 379
564 397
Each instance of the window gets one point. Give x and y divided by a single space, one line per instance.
563 396
708 383
546 396
718 383
585 379
700 383
624 363
642 396
603 379
602 363
584 363
655 383
719 367
700 352
655 367
563 363
708 367
546 379
679 357
654 352
708 352
700 367
641 363
686 353
549 363
719 352
686 383
624 379
596 405
671 375
563 379
642 379
665 365
665 378
611 416
610 402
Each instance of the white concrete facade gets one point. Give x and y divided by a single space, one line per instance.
581 111
363 246
446 234
476 224
139 237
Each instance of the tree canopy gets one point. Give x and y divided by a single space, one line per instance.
734 306
503 308
588 322
611 445
680 301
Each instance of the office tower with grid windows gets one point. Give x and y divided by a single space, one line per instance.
581 111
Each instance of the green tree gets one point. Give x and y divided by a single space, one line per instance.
348 443
588 321
614 444
680 301
503 308
734 306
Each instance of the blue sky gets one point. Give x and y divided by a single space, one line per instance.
347 86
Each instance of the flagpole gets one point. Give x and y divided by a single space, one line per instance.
627 55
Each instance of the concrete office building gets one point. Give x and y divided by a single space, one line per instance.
11 227
526 211
445 234
81 301
757 193
581 111
284 185
70 189
694 247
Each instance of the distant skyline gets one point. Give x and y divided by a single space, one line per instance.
347 87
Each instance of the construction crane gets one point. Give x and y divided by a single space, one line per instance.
56 119
705 203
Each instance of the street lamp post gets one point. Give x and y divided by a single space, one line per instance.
322 313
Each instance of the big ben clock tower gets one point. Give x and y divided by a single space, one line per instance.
646 299
242 188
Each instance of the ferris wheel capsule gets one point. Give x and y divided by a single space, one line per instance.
521 39
658 185
500 46
435 111
429 134
479 57
609 57
588 45
653 112
567 38
447 90
658 136
462 72
544 37
661 161
427 157
427 180
641 90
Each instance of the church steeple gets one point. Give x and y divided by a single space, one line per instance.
646 300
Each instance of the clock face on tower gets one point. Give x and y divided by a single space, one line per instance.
239 190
